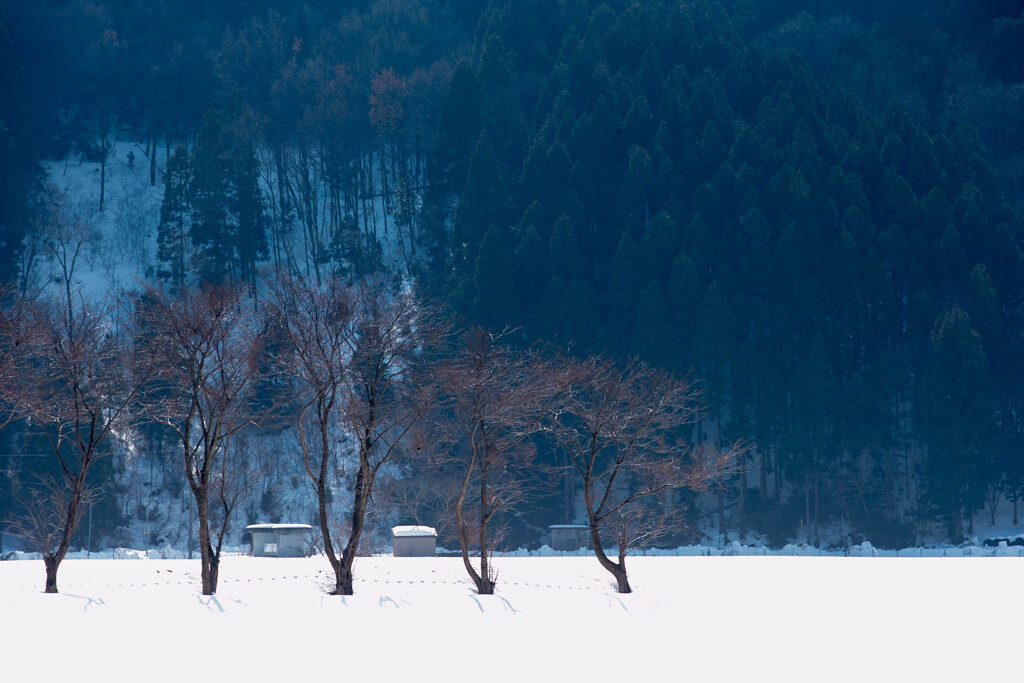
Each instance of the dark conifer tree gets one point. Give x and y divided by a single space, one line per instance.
172 236
956 413
485 202
209 190
815 390
496 305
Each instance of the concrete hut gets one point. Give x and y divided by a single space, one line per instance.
413 541
279 540
569 536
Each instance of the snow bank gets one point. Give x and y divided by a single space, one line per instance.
732 549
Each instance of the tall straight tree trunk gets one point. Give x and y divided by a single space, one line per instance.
741 511
278 235
721 479
151 146
763 494
384 188
807 512
777 493
817 523
103 169
720 498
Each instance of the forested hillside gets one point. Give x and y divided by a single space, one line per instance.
811 208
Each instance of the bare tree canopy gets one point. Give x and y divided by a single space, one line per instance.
69 372
210 362
358 356
497 398
622 429
387 393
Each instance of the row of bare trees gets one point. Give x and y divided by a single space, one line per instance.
375 383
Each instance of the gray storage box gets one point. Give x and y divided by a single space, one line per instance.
569 536
413 541
279 540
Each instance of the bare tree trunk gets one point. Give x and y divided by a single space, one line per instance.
617 569
778 479
207 560
568 490
51 563
103 170
807 512
741 512
485 585
763 483
52 560
321 495
720 498
345 576
460 525
214 571
361 495
277 234
993 503
817 523
151 146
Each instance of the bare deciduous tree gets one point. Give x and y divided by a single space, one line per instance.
317 321
357 357
208 351
386 394
74 383
497 399
621 428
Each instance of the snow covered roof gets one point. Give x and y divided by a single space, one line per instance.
568 526
406 531
278 527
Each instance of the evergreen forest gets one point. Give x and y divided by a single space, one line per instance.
813 209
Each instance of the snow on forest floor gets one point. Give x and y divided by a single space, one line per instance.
553 618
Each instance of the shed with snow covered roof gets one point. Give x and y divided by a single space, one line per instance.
279 540
413 541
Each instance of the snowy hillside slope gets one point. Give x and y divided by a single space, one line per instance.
119 240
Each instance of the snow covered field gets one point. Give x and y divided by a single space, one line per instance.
554 618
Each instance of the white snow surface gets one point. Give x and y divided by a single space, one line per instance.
278 527
413 531
553 618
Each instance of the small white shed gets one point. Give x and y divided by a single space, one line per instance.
413 541
279 540
569 536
